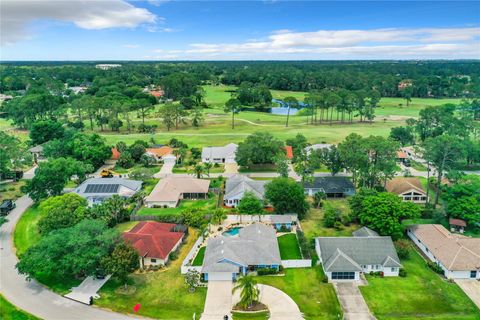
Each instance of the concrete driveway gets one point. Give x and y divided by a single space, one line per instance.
353 305
31 296
165 170
280 305
219 300
231 168
471 288
88 288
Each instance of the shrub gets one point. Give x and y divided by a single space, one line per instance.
283 228
331 216
303 243
338 225
173 256
435 267
324 280
403 248
402 273
266 271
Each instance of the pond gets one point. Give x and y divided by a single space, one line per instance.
283 107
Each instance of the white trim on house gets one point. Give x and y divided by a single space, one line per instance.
414 195
449 274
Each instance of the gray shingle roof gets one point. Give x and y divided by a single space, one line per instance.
227 151
331 184
255 244
364 232
239 184
347 253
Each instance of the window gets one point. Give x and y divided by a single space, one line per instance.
473 274
393 270
153 260
343 275
408 198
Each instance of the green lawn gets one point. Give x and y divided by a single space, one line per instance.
162 294
315 299
289 248
9 312
125 226
11 190
422 294
418 166
313 226
198 261
184 204
250 316
26 233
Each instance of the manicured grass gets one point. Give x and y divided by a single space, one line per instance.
11 190
184 204
162 294
418 166
198 261
313 226
250 316
26 233
9 312
259 168
422 294
315 299
289 248
126 226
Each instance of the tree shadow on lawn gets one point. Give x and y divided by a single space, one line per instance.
162 294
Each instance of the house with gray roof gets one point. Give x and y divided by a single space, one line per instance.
237 185
345 258
318 146
226 257
225 154
96 190
365 232
333 187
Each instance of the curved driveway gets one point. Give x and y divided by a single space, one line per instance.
280 305
32 297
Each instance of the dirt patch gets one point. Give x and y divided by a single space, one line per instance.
126 291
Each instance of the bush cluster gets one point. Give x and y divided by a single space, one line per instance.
266 271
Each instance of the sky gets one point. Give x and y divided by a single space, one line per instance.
238 30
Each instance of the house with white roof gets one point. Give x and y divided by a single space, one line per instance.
225 154
318 146
237 185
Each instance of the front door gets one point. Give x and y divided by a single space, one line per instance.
473 274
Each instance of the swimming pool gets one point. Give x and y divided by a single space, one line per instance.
232 232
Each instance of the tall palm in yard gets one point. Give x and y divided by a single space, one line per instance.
208 166
199 170
249 293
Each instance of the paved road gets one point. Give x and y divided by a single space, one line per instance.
32 297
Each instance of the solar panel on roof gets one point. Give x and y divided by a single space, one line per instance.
102 188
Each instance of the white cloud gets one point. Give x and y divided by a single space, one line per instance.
16 15
391 43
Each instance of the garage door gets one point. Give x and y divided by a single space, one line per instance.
343 275
219 276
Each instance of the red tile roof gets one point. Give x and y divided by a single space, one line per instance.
457 222
289 151
401 155
115 154
153 239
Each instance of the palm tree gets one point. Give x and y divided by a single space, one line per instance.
249 293
199 169
218 215
208 166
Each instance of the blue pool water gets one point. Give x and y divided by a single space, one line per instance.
232 232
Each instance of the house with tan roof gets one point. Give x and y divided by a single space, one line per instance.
457 255
408 188
168 192
154 241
